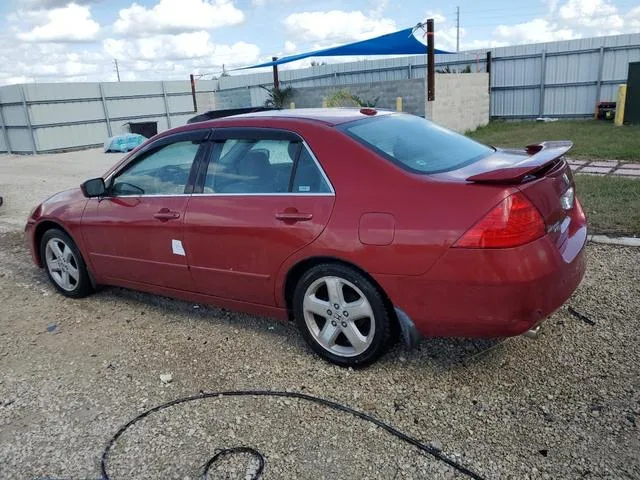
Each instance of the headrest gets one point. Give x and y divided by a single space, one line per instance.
254 164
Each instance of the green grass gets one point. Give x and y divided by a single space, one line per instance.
612 204
592 139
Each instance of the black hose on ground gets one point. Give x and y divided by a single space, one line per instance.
257 455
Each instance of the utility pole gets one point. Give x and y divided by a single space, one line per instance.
457 29
115 62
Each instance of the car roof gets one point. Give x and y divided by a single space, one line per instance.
330 116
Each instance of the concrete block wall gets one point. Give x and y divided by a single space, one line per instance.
412 92
462 101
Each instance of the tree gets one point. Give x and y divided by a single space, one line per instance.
278 97
317 64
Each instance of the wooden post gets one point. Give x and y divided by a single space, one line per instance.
431 67
193 92
398 104
276 82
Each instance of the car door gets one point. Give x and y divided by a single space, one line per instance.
135 232
260 196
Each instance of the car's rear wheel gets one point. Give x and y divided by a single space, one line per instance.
342 315
64 264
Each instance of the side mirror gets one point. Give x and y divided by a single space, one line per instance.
93 188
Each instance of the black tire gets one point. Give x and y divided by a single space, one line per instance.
381 336
78 288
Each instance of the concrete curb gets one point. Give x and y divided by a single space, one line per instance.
621 241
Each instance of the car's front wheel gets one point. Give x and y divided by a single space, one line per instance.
64 264
342 315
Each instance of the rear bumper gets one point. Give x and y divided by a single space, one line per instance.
491 293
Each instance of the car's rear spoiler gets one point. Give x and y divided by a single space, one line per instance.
542 154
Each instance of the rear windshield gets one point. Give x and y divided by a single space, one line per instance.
416 144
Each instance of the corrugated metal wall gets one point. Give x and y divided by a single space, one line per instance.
57 116
562 79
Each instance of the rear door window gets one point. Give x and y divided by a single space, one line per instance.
416 144
262 166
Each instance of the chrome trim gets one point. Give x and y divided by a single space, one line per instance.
291 194
151 195
273 194
225 195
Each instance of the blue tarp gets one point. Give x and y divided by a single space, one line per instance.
398 43
123 143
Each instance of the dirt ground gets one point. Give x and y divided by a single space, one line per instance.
563 406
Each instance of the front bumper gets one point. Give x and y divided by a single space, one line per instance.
491 293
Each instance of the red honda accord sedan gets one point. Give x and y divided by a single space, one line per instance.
360 225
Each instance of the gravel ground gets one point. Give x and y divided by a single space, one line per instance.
566 405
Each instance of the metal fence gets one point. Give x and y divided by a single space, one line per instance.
560 79
49 117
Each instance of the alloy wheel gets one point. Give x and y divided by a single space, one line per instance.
62 264
339 316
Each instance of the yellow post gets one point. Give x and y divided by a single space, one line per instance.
324 102
620 101
292 105
398 104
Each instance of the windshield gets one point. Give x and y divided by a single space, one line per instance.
416 144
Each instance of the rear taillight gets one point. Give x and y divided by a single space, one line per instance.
514 221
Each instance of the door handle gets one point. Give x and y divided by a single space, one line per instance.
293 216
165 214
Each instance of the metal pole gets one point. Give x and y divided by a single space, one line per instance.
543 74
28 117
3 124
105 110
166 105
115 61
276 81
431 67
599 82
457 29
489 79
193 92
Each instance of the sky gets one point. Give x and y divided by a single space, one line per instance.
58 40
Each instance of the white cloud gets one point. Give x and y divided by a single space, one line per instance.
633 18
177 16
37 4
336 26
185 46
24 62
378 7
591 14
535 31
72 23
289 47
262 3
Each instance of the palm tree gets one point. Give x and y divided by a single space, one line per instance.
278 97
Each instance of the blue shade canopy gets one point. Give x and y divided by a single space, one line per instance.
396 43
